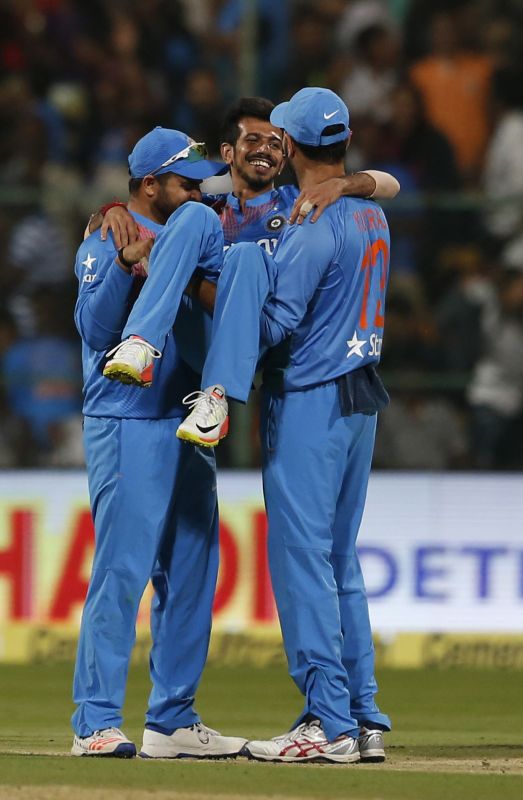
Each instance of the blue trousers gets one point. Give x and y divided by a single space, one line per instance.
153 501
315 475
316 465
161 305
247 278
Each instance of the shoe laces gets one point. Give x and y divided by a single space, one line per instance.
290 736
199 726
134 346
201 404
109 732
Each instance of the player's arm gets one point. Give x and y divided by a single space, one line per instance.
370 183
302 257
203 290
191 239
116 218
105 287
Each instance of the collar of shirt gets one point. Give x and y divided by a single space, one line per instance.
259 200
150 224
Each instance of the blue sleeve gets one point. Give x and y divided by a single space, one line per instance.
104 293
301 259
192 237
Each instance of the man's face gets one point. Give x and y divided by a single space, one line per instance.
172 192
257 157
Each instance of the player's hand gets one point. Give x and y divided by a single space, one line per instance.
123 227
316 200
136 254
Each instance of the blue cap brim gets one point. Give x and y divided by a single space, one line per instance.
278 115
196 170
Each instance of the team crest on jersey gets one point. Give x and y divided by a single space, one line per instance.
275 223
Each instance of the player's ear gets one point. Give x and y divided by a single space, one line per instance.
288 146
227 152
149 185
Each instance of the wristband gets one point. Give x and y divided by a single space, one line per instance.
114 204
123 261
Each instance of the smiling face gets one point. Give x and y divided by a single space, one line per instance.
257 156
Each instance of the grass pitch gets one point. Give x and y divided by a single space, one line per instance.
458 735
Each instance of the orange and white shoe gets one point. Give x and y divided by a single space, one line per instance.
208 421
131 362
107 742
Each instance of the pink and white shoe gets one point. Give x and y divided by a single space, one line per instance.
131 362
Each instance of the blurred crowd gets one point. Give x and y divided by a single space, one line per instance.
435 92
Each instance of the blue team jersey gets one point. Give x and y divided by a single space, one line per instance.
106 296
263 221
327 311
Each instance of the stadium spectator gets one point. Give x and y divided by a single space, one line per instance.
42 380
373 75
454 84
421 430
503 174
495 392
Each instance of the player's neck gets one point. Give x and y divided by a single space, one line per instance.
139 206
243 192
310 173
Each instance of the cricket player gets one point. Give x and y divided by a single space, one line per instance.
148 520
319 306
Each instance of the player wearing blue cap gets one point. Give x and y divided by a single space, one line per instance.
255 211
148 521
321 305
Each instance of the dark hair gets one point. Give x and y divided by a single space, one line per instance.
328 153
135 183
257 107
506 86
368 36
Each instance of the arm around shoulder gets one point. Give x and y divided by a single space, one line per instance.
386 185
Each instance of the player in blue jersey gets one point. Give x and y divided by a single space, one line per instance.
148 521
255 211
319 305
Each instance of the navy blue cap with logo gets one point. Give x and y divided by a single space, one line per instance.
167 150
309 112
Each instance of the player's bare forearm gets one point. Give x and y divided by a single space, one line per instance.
135 255
202 290
371 183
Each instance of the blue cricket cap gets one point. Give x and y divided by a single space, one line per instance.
306 115
165 150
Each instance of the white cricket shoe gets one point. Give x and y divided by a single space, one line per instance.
372 748
132 362
308 743
198 741
208 421
107 742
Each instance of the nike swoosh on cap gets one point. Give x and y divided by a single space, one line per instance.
328 116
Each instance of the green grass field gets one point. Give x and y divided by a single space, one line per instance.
458 735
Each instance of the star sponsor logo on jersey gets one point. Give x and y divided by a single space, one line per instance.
89 261
355 346
275 223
